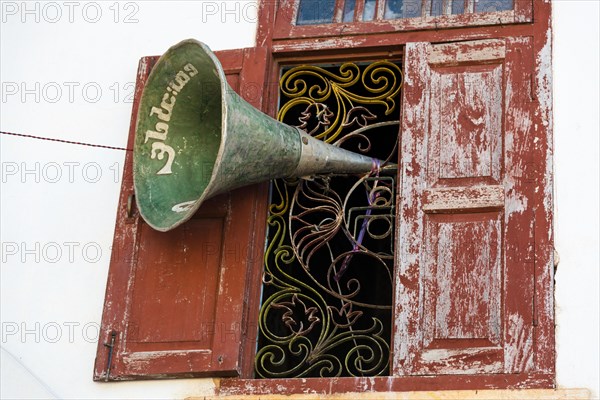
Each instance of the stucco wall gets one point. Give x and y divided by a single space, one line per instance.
67 70
576 131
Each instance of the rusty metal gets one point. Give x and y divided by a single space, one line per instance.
111 347
197 138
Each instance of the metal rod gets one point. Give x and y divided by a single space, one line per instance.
111 347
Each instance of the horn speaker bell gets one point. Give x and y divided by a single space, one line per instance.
196 138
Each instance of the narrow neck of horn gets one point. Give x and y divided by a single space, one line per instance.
318 157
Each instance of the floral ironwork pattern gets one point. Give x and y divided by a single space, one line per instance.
327 286
321 91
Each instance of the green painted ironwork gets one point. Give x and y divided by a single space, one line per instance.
327 287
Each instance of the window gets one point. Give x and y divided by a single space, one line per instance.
471 303
311 12
315 18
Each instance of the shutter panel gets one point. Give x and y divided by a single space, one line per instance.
465 292
174 300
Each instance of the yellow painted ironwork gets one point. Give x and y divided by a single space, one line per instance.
382 80
303 324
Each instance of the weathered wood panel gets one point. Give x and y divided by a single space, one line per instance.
462 274
540 85
480 51
462 294
469 106
175 301
176 274
464 302
530 394
466 111
380 385
463 198
519 210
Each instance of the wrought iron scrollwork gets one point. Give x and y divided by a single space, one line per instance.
327 285
331 99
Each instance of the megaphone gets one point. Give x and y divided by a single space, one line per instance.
196 138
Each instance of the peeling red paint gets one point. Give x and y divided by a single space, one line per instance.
474 293
176 299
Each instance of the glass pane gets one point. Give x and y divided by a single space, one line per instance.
349 11
458 7
403 9
369 12
493 5
437 8
312 12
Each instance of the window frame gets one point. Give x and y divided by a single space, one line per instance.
286 15
385 42
388 42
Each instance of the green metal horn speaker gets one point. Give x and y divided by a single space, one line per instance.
196 138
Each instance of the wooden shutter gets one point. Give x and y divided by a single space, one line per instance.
466 264
174 300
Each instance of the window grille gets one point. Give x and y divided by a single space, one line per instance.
328 280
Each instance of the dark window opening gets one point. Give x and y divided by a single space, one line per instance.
326 306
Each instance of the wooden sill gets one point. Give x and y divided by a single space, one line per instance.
537 394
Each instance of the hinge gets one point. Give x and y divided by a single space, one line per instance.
111 348
130 205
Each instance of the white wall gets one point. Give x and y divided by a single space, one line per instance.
62 301
51 299
576 166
